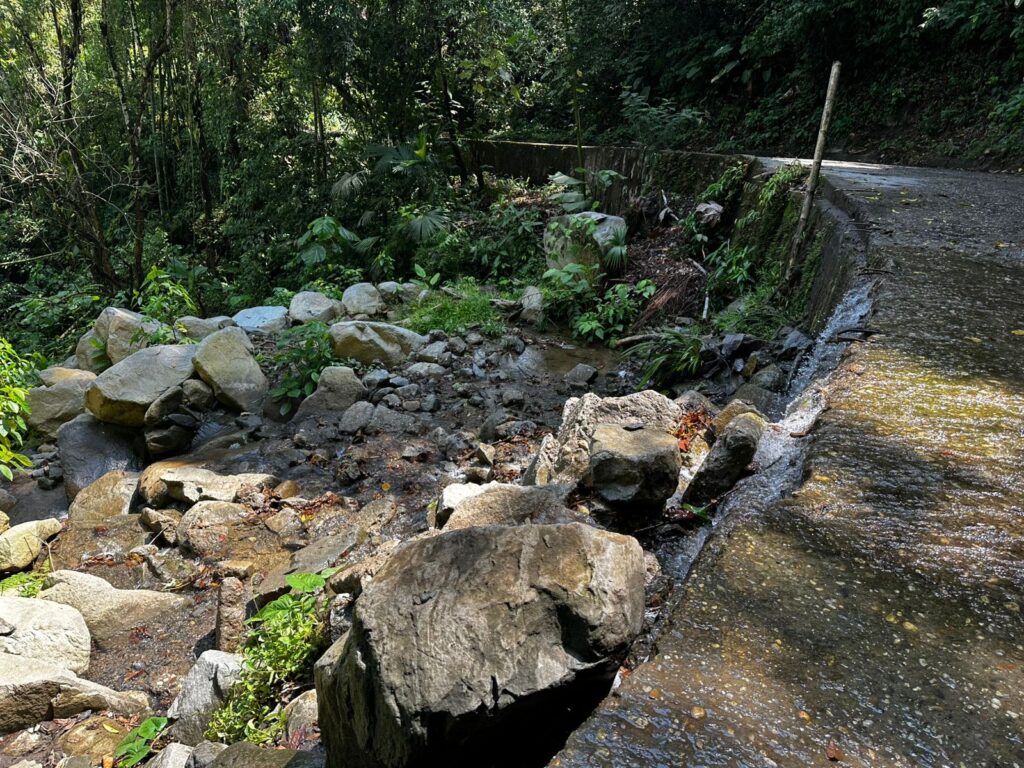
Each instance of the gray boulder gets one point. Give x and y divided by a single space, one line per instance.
300 715
125 332
369 342
565 457
633 467
110 612
225 361
174 755
582 238
312 306
362 299
219 529
61 399
32 693
195 484
465 641
35 629
198 328
337 390
21 544
727 462
108 496
469 505
123 393
90 449
356 417
581 375
265 320
204 753
531 305
203 691
246 755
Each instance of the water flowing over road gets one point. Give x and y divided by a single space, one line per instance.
860 604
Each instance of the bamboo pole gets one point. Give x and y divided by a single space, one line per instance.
812 181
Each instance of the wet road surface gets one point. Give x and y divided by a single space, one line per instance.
861 603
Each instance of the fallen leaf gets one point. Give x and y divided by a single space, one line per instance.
1018 332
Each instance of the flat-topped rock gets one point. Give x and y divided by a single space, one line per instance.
123 393
264 320
313 306
39 630
369 342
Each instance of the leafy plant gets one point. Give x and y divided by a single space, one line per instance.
673 354
423 280
570 290
14 372
732 271
655 127
286 637
24 584
302 353
573 194
138 742
615 312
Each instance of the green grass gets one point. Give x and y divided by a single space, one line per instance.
452 315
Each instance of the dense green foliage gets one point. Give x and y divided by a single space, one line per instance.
14 371
287 636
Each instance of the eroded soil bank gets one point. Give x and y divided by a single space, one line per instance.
870 613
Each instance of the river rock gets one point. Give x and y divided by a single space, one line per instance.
264 320
300 716
225 361
5 521
125 332
108 496
197 328
109 612
218 529
246 755
337 390
21 544
35 629
436 352
727 462
32 693
531 306
581 375
499 504
203 691
313 558
112 539
204 753
731 410
312 306
90 449
194 484
425 371
633 467
123 393
7 501
565 457
362 299
92 739
369 342
174 755
59 401
468 640
356 417
765 401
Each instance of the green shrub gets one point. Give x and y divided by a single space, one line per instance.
672 355
14 373
138 742
302 353
287 637
614 313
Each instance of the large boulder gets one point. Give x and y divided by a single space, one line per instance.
219 529
246 755
174 755
225 361
468 505
203 691
337 390
565 457
582 238
198 328
314 307
109 496
531 305
728 460
127 332
466 641
123 393
195 484
61 399
369 342
35 629
21 544
362 299
109 612
89 449
265 320
32 693
633 467
112 540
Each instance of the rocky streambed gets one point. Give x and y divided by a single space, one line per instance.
503 520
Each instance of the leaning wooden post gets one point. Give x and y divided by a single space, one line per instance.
812 181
